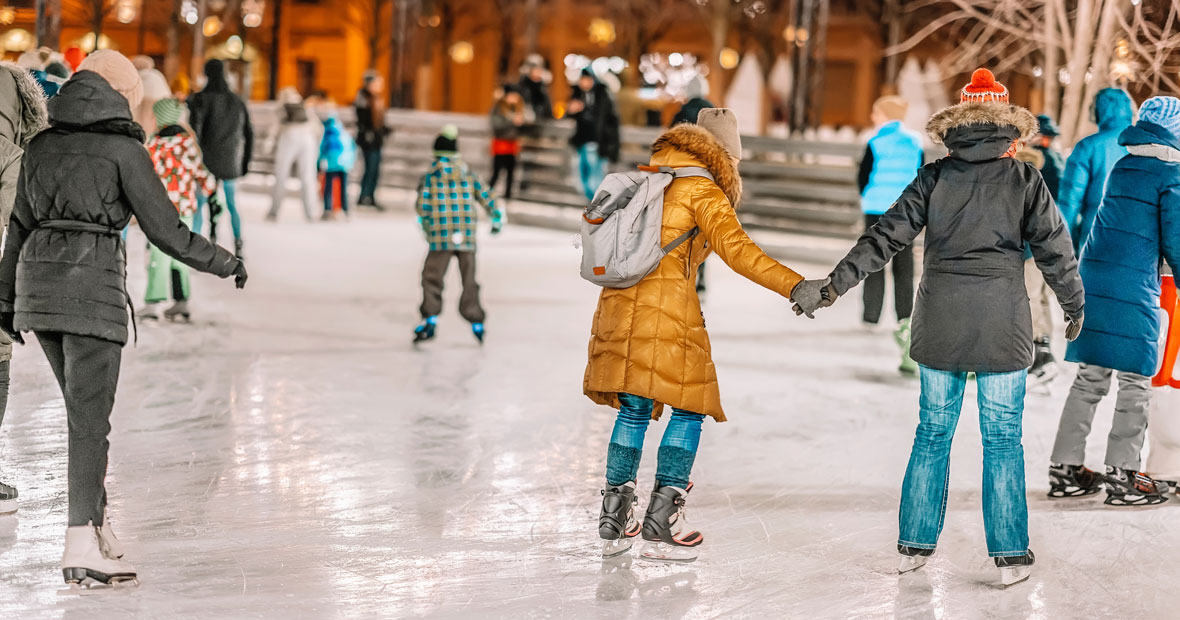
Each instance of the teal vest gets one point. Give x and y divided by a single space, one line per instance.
897 155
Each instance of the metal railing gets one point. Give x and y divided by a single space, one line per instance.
788 184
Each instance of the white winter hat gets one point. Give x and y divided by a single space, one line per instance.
722 123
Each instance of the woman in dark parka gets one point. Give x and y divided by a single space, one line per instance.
63 276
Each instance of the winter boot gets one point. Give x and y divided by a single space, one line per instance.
238 250
664 527
108 542
1125 487
1044 368
902 337
8 497
178 311
912 558
1073 481
84 563
425 331
617 525
149 312
1015 569
478 330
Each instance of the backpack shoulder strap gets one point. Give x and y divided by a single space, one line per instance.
692 171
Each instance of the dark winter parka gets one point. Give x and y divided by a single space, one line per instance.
64 266
978 208
222 124
1137 225
598 121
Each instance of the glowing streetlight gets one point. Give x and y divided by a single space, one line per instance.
729 58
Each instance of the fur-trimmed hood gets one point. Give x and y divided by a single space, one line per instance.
22 105
987 113
697 143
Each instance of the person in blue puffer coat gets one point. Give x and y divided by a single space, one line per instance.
890 163
1137 228
337 157
1084 181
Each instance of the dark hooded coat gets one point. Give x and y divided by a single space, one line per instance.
64 265
220 119
598 121
978 208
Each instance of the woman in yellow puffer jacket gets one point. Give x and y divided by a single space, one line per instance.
649 347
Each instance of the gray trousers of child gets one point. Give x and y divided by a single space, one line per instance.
87 369
1125 442
434 271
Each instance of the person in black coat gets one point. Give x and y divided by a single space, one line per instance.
370 135
534 88
596 130
222 123
63 277
978 206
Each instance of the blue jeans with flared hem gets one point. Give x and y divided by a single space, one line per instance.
591 168
678 448
924 491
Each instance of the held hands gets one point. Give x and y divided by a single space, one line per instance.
240 275
6 325
811 295
1073 327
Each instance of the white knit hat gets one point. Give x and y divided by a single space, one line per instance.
118 72
722 123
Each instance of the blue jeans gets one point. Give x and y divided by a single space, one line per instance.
924 492
331 179
372 173
678 448
229 189
591 168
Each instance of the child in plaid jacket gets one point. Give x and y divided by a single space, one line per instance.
446 206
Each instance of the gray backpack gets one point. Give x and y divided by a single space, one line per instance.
621 228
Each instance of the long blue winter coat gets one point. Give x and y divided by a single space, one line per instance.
1092 159
1137 224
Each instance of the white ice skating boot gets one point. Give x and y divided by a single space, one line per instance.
178 312
668 535
84 564
149 312
7 499
912 558
617 525
1016 568
110 545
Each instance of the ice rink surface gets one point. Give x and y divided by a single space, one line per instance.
289 455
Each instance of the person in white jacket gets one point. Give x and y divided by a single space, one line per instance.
155 88
297 147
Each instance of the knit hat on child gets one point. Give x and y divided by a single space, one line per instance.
168 112
983 87
447 142
892 107
1162 111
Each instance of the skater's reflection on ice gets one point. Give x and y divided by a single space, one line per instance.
672 587
916 599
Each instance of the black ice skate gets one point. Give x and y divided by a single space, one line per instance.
85 563
1044 368
1073 481
1125 487
617 525
425 331
912 558
8 497
665 529
1015 569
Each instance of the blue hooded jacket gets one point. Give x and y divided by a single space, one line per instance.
337 148
1084 181
1137 225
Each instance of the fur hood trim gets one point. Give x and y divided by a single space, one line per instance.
974 113
34 118
701 145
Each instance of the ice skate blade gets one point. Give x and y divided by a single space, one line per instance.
86 580
910 563
1135 500
1014 574
1068 492
615 548
8 506
663 552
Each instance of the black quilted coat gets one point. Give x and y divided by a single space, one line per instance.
64 266
222 124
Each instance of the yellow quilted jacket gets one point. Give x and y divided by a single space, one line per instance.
650 340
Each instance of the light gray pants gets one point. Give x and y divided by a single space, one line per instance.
1125 441
1038 299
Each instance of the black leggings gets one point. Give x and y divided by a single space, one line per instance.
903 283
507 163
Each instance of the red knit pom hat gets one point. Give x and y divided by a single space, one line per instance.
984 87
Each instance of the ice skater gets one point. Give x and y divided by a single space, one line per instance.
890 162
177 160
62 276
337 157
1045 157
648 344
1136 226
448 196
22 116
978 206
297 147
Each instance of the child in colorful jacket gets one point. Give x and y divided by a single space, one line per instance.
177 159
337 157
447 197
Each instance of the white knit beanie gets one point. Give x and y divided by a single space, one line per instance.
118 72
722 123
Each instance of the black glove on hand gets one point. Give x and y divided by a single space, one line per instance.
240 274
811 295
1073 328
6 325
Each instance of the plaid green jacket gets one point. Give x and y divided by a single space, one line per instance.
447 197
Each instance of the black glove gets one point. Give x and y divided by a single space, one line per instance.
6 325
240 274
811 295
1074 327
